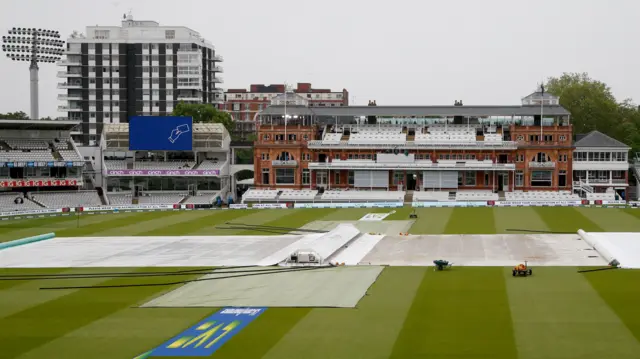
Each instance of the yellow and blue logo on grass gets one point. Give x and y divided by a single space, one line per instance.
208 335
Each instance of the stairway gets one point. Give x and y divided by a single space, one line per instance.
408 197
30 198
582 186
55 152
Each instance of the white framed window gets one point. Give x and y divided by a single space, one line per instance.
519 179
469 178
306 176
285 176
145 46
541 178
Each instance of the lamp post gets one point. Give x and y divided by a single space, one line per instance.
34 46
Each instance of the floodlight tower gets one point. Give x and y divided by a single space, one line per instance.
34 46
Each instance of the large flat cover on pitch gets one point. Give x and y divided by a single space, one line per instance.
327 287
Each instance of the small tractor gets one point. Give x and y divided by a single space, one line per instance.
441 264
522 270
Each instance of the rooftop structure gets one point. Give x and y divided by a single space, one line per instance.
243 104
112 73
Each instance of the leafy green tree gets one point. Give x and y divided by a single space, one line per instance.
593 107
204 113
19 115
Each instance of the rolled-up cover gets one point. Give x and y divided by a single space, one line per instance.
599 247
23 241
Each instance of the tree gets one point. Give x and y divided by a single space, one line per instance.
593 107
14 116
204 113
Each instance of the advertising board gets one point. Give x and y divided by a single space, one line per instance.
163 173
160 133
38 183
350 205
268 205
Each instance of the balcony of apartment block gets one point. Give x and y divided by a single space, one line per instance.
217 80
190 86
77 50
188 50
70 85
191 97
194 75
70 62
542 165
65 74
217 69
69 108
218 58
72 97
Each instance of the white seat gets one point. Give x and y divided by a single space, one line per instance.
67 199
7 203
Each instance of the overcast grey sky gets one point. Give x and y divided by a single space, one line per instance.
401 52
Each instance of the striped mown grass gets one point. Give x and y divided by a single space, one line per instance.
410 312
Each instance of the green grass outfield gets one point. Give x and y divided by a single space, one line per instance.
410 312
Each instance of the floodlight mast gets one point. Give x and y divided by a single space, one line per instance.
35 46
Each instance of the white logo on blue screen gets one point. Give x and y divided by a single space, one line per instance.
176 132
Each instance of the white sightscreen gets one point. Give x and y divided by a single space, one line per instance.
371 179
440 179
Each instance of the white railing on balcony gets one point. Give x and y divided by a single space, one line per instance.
69 97
417 165
188 50
69 108
69 74
218 58
69 62
218 80
190 98
217 69
190 86
413 145
65 85
542 164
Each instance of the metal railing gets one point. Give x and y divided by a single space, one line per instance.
413 145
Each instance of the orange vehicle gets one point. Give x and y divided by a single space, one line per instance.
522 269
